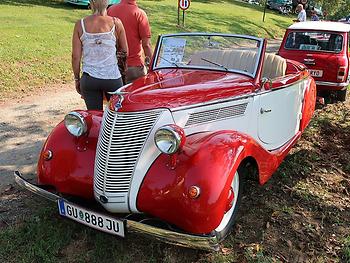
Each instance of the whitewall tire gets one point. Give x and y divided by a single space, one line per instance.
229 217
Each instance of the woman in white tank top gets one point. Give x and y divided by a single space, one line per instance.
96 39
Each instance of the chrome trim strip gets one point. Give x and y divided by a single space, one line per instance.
168 236
213 102
334 84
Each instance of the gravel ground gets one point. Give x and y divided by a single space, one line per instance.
24 125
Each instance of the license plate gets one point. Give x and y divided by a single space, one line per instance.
91 219
316 73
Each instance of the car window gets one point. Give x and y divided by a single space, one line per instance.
315 41
218 52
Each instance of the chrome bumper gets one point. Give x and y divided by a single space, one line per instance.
168 236
332 84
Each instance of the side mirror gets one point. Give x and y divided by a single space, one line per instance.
266 83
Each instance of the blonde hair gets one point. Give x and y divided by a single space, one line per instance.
99 6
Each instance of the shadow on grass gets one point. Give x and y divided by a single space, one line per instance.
281 23
298 212
47 237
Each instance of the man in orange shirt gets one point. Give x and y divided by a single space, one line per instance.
138 34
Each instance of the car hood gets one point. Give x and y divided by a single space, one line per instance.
177 88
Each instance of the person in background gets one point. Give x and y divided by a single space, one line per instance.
314 16
301 13
94 43
138 34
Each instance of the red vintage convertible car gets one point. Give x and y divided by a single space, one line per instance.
324 48
168 156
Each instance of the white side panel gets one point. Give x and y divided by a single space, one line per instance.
279 115
238 120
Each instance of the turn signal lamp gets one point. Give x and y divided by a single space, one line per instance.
194 192
47 155
341 73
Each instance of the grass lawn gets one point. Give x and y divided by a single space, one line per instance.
35 39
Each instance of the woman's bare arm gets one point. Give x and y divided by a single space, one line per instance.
76 54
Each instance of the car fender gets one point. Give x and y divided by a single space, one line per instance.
70 170
308 104
209 161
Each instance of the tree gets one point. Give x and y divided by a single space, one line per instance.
334 8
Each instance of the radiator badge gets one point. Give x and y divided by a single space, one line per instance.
119 92
118 105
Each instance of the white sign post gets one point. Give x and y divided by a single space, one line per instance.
183 5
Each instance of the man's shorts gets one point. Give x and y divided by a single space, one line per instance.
135 72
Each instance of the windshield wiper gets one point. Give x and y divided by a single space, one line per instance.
171 62
214 63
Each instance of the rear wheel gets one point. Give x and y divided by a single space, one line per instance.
341 94
229 217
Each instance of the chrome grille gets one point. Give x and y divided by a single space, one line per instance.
120 143
216 114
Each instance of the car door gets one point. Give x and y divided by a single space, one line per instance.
280 112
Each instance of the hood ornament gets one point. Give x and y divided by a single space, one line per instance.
119 92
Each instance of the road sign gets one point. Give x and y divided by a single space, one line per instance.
184 4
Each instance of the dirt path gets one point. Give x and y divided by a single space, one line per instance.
25 124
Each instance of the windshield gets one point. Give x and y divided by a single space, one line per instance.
315 41
219 52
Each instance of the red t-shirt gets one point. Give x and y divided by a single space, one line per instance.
136 26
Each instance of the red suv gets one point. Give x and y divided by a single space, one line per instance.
323 48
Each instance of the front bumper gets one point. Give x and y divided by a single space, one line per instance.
164 235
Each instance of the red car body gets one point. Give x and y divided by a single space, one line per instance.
202 105
323 48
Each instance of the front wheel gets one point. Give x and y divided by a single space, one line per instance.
229 217
341 94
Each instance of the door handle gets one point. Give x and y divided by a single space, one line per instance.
262 111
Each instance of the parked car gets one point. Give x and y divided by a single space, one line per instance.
345 19
323 48
283 6
87 2
169 154
253 2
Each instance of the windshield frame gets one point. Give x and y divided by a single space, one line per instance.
252 75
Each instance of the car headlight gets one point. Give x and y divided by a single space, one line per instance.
75 123
169 139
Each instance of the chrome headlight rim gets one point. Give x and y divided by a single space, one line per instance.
176 134
81 120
